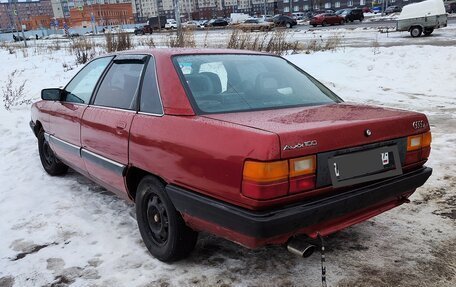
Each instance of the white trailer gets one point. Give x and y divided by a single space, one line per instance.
422 17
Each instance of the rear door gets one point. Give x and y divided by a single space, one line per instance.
106 122
65 117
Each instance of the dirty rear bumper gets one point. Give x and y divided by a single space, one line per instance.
290 219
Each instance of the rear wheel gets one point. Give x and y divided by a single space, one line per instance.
324 23
161 226
288 25
428 32
416 31
51 164
315 25
341 22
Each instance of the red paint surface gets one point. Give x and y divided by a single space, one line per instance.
206 154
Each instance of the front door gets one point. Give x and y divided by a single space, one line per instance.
65 118
106 122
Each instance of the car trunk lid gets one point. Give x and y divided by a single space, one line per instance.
310 130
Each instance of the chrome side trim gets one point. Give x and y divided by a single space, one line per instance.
47 136
111 108
102 161
64 144
150 114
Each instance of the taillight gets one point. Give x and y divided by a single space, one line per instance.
267 180
418 147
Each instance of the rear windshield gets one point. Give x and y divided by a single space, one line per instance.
234 83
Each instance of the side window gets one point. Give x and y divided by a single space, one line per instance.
80 88
150 97
119 86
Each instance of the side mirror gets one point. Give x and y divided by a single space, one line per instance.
54 94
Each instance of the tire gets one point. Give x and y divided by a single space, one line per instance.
315 25
51 164
323 24
428 32
342 22
161 226
416 31
288 25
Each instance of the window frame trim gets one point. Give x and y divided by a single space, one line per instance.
138 106
103 76
95 88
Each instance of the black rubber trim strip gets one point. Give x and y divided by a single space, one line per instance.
108 164
265 224
64 145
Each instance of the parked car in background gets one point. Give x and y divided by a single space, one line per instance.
326 19
377 9
392 9
171 24
202 23
217 23
298 15
157 23
351 15
266 18
367 10
141 30
338 12
284 21
254 24
240 144
450 7
190 24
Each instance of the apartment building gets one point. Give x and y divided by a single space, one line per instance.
102 15
10 11
202 9
62 8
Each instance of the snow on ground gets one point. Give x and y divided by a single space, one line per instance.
61 231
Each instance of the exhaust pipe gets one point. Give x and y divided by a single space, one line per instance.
300 247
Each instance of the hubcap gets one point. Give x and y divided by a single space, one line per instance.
157 219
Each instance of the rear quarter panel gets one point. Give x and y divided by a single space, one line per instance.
204 155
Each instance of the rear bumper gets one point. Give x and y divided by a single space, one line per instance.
327 214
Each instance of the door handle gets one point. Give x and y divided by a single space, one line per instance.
121 125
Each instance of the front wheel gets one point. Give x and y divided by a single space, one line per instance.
161 226
324 24
288 25
51 164
416 31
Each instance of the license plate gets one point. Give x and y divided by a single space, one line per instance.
364 166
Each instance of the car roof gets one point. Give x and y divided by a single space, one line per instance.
169 52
